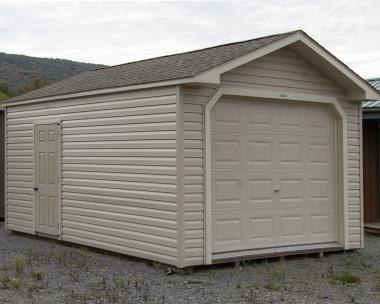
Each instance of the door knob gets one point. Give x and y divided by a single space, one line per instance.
35 188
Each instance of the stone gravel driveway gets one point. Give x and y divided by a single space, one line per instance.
35 270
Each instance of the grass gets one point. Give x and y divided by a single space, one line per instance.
377 284
278 275
5 280
238 285
157 266
59 256
279 279
273 287
38 274
256 286
16 283
29 289
344 279
79 262
31 255
19 264
120 283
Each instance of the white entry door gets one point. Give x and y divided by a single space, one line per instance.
46 178
273 174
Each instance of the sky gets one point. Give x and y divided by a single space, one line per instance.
118 32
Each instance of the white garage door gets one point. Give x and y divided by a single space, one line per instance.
273 174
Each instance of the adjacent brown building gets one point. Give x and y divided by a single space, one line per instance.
371 161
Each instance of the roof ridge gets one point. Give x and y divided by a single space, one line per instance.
197 50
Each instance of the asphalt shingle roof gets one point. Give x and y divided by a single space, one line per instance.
164 68
375 82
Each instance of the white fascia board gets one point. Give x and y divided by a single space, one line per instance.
100 92
370 92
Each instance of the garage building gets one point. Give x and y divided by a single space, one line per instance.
231 152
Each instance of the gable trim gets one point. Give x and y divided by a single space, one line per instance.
213 75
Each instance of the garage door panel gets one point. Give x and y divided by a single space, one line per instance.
261 228
226 116
291 152
261 188
292 227
228 232
227 151
323 225
319 120
259 118
253 230
322 190
320 153
291 190
227 191
279 118
290 118
273 176
260 152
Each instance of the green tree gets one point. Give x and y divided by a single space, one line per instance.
36 83
4 88
3 96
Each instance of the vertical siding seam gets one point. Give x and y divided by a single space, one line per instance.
34 179
361 175
180 177
60 205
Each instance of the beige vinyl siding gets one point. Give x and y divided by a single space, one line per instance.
194 101
118 171
285 70
352 111
282 70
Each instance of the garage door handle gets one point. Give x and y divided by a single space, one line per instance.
277 190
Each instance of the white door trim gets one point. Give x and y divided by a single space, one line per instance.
342 191
59 155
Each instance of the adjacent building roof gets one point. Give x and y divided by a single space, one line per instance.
157 69
375 82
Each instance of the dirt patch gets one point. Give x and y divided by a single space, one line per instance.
36 270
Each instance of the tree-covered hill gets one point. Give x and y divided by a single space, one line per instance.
19 73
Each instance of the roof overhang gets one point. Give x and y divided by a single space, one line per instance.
102 91
356 87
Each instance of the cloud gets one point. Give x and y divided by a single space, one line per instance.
118 32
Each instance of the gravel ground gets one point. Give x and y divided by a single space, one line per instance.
50 272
